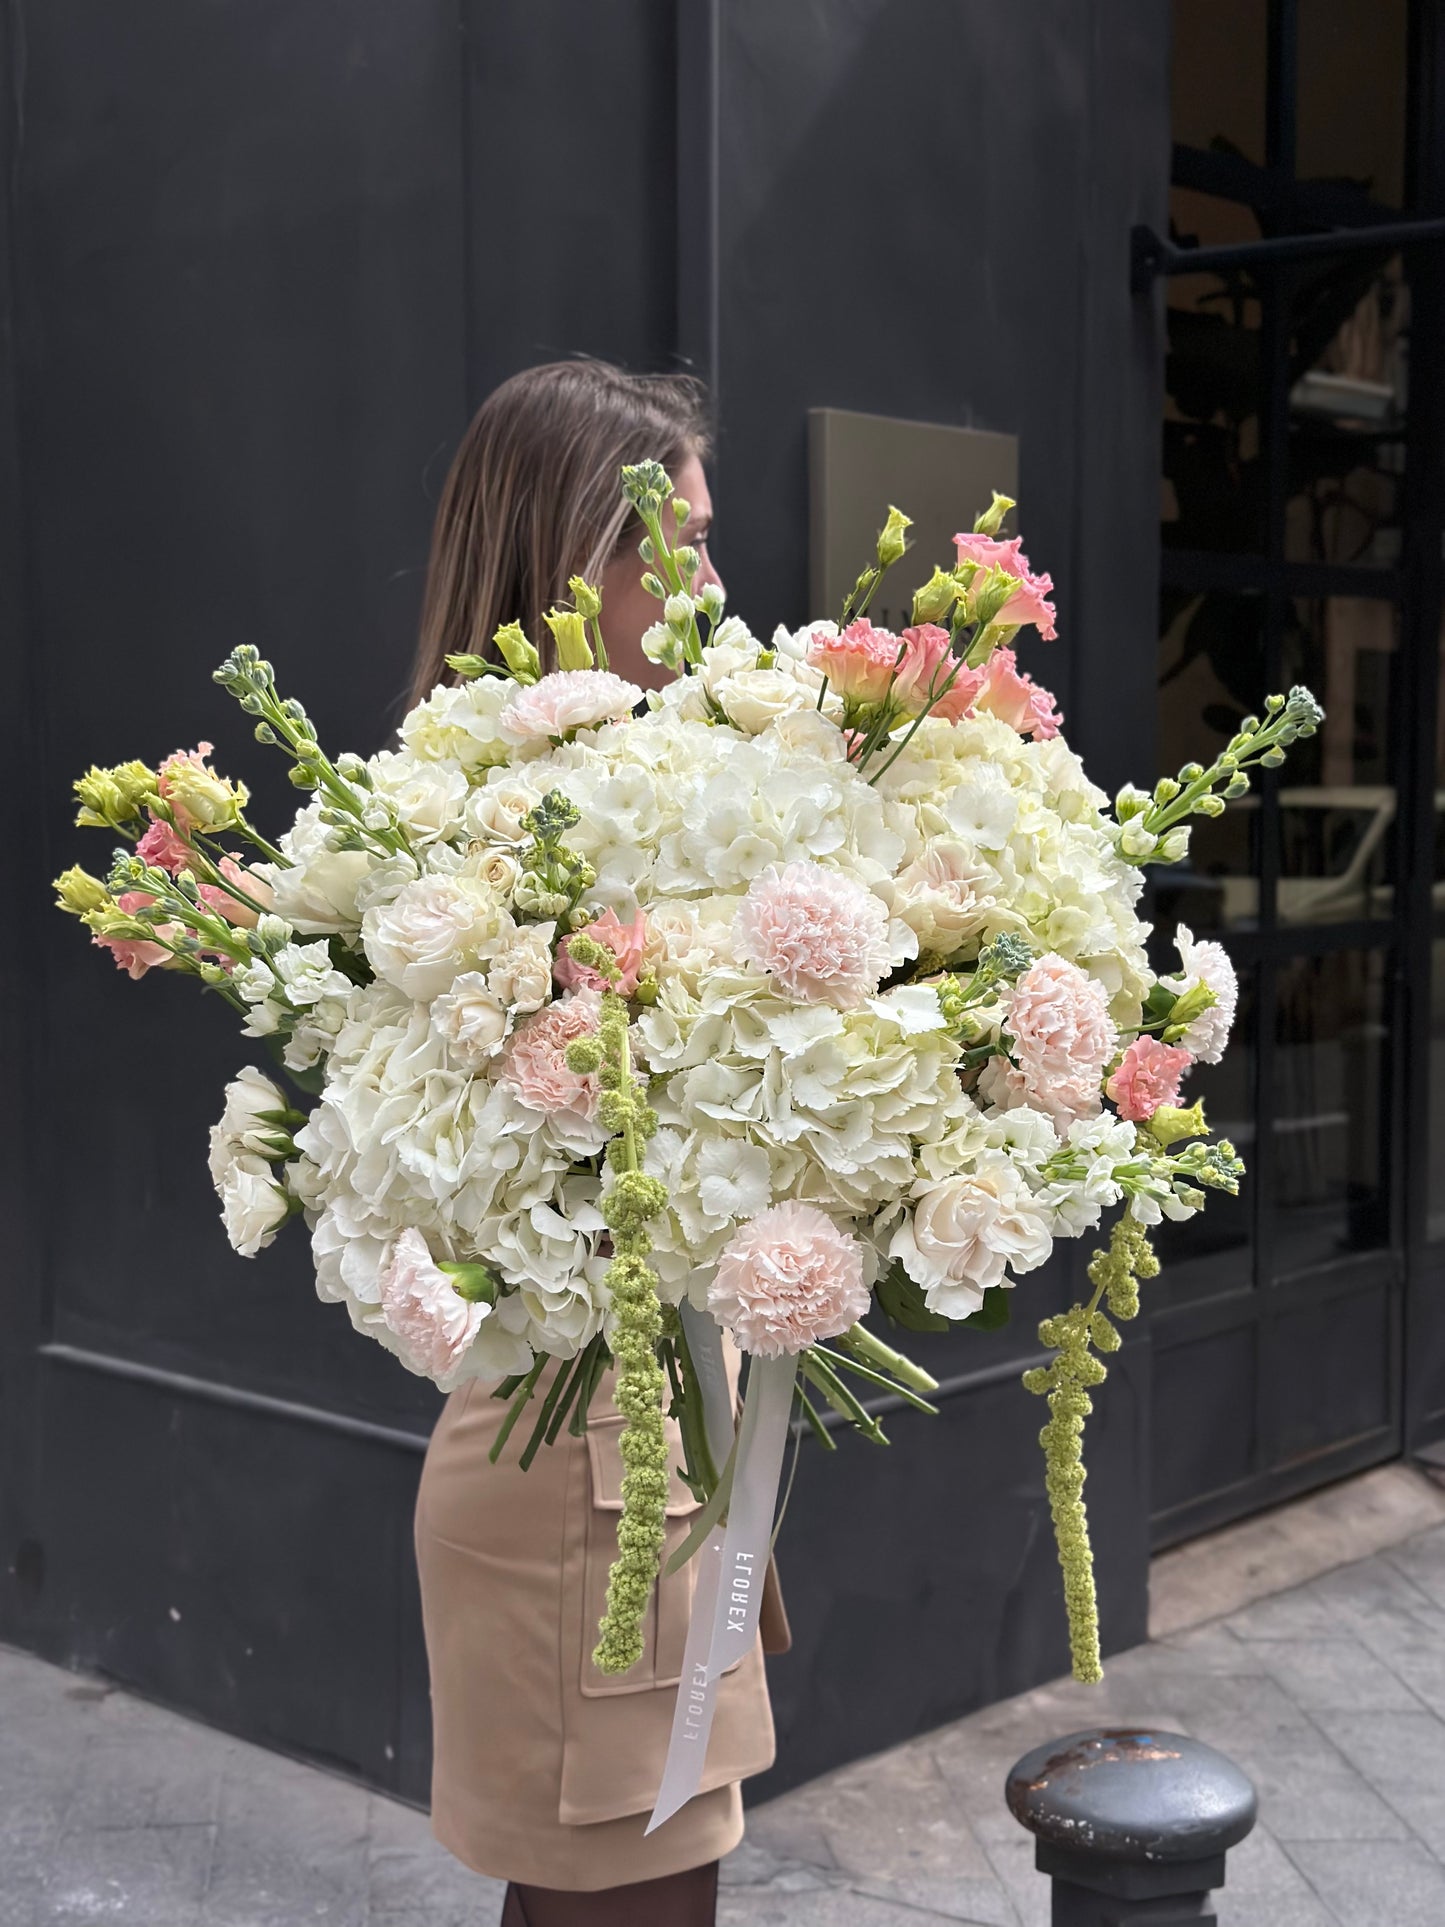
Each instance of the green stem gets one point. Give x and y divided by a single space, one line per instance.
524 1393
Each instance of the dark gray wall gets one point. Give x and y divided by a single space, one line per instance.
259 260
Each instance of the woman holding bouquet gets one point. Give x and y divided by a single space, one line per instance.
545 1769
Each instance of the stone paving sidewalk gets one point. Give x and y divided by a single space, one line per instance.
1331 1695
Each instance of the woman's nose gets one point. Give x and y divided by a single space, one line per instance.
706 573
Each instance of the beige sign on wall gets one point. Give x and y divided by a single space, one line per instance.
857 464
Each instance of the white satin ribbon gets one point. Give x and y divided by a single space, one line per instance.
732 1565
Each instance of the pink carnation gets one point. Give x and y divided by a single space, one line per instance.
788 1277
433 1324
1147 1077
1062 1037
567 700
626 941
823 937
1029 602
1016 699
237 910
162 849
534 1063
134 955
927 667
859 663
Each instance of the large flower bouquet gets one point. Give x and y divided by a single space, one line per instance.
813 984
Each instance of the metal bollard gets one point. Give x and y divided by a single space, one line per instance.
1132 1826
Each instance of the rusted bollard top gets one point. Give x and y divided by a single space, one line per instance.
1132 1793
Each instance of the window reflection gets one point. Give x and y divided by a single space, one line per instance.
1337 808
1348 357
1328 1096
1211 669
1212 485
1353 59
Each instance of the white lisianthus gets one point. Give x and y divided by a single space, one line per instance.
971 1232
431 931
253 1205
315 890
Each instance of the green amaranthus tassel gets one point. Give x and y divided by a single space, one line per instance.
629 1202
1074 1336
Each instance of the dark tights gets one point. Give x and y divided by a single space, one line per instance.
679 1900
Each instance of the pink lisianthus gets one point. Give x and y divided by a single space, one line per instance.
162 849
786 1278
821 936
927 667
134 955
567 700
626 941
1016 699
233 909
534 1063
1147 1077
859 663
1062 1036
1029 602
433 1324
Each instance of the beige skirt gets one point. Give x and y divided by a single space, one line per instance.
544 1770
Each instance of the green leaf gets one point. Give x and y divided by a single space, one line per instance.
902 1301
993 1314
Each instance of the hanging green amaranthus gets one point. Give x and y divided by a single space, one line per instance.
1074 1336
630 1201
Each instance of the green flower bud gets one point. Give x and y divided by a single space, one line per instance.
892 541
991 521
468 667
517 652
587 599
475 1283
78 892
935 600
569 634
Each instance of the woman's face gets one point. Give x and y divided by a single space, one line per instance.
627 608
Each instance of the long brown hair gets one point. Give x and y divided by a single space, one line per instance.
532 498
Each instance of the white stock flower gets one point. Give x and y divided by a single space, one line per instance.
520 972
242 1128
306 973
1208 964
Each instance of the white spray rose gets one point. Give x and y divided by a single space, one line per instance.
968 1232
253 1206
471 1019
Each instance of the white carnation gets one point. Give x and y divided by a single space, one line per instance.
253 1206
969 1233
431 931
